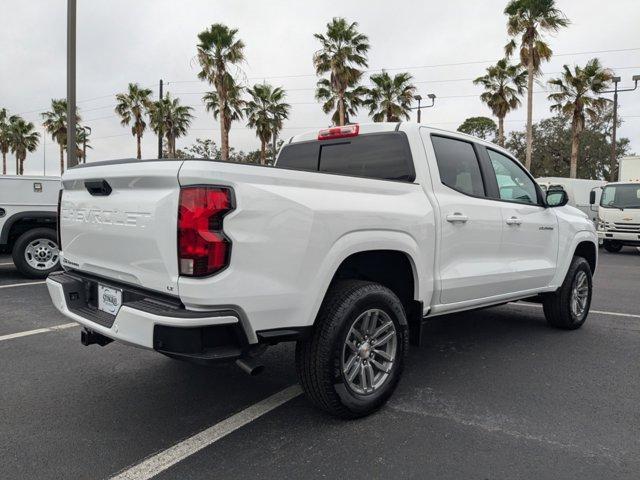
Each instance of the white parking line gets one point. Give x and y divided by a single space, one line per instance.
5 264
38 330
11 285
159 462
599 312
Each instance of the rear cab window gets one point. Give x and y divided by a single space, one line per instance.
383 156
458 165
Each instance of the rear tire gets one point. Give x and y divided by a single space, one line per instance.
347 368
36 253
568 307
612 246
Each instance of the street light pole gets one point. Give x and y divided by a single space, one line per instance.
71 84
614 160
160 123
431 97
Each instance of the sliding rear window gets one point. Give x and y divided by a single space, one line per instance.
384 156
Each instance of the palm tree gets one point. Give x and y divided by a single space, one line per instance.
55 123
131 108
23 139
577 95
343 50
218 49
265 112
234 104
528 20
503 84
173 119
390 98
82 142
351 100
4 138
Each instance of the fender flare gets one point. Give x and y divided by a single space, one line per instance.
365 241
35 214
567 256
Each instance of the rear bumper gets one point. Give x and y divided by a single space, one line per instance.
150 322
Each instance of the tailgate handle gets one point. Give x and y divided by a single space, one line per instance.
98 188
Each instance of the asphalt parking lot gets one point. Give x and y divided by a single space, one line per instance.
493 394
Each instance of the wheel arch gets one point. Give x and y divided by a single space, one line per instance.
20 222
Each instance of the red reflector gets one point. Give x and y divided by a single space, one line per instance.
339 132
203 248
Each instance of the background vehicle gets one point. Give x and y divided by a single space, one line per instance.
578 189
619 215
28 212
356 236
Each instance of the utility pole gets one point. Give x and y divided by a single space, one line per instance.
71 84
160 124
614 157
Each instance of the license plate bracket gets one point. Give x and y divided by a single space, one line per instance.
109 299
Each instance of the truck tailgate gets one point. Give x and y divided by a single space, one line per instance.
119 221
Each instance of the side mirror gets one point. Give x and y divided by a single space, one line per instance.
557 198
592 197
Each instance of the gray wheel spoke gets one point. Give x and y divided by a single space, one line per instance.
363 378
383 354
379 366
351 345
355 368
380 330
384 339
350 363
365 324
370 373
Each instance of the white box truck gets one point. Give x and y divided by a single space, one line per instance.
28 216
619 208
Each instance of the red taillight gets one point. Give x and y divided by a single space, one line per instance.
203 248
339 132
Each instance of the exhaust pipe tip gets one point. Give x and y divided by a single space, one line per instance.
250 366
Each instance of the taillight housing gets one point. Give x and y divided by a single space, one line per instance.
203 248
59 210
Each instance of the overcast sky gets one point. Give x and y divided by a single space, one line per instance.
443 44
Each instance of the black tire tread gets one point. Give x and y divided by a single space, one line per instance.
555 305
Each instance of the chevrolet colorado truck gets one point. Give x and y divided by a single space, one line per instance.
349 243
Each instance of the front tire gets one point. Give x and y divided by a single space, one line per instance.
568 307
36 253
612 246
354 359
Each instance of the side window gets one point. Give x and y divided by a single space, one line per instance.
513 182
384 156
299 156
458 165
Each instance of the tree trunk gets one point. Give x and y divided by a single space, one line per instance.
84 152
139 149
61 159
575 147
263 152
341 116
21 166
17 165
501 131
530 72
4 163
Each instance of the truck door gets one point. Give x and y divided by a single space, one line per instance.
530 230
469 266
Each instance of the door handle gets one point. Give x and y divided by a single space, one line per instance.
457 217
514 221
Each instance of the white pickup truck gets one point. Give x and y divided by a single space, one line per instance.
354 238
